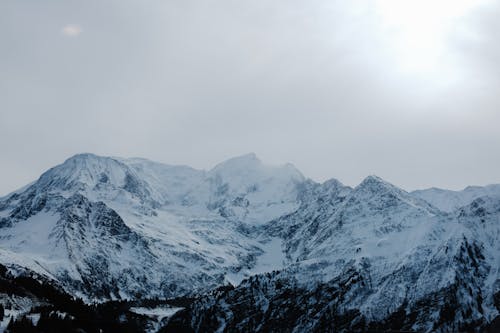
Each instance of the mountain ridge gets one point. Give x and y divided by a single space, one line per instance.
111 228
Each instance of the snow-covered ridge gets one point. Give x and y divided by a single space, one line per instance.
243 187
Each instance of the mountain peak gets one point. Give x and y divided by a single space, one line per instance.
383 194
84 156
242 165
82 159
374 187
248 156
88 161
84 170
376 183
239 162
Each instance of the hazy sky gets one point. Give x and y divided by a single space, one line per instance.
407 90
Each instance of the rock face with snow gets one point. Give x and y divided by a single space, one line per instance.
320 257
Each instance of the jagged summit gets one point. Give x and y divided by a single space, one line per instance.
377 191
374 183
378 194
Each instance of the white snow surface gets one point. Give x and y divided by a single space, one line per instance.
158 313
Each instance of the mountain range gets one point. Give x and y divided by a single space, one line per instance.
255 248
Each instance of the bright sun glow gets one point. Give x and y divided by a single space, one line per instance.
418 30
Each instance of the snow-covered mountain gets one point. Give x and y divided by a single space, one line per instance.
113 228
327 255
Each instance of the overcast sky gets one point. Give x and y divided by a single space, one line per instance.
407 90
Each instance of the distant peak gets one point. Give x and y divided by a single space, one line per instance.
85 157
244 165
373 178
241 161
88 160
376 183
245 157
82 155
85 168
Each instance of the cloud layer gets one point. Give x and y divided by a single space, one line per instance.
320 84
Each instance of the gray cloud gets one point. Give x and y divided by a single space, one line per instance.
194 82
